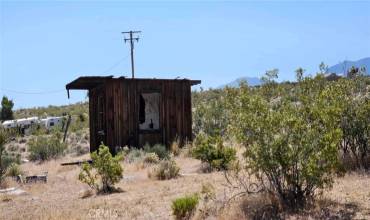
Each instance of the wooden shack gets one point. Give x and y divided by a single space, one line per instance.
133 112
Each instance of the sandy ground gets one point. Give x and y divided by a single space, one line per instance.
144 198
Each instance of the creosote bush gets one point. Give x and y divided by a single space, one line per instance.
167 169
44 148
159 149
210 150
290 139
355 144
104 172
184 207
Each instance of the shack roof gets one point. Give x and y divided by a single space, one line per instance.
90 82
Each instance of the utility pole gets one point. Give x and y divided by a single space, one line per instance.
132 39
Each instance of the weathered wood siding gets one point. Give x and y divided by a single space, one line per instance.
122 112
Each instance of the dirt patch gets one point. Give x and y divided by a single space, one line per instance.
64 197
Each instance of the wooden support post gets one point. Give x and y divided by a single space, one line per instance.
66 130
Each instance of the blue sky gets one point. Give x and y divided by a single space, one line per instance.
45 45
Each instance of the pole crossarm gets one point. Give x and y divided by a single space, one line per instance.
132 39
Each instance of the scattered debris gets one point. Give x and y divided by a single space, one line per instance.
77 162
36 178
32 179
188 174
12 191
128 178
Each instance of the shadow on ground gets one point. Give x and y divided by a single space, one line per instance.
259 207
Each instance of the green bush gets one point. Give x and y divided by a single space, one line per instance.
159 149
209 115
167 169
104 168
184 207
291 146
45 148
355 124
14 170
210 150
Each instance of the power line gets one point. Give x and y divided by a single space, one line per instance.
132 40
33 92
116 64
60 90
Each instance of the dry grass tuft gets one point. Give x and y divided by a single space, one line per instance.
175 147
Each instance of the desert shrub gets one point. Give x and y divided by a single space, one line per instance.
14 170
159 149
210 150
184 207
167 169
13 147
208 190
22 141
151 158
355 124
186 150
209 114
81 150
6 159
291 146
134 155
3 166
175 146
44 148
79 122
104 172
37 130
73 109
10 157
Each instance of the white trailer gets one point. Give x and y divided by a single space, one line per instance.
50 122
9 124
27 122
23 124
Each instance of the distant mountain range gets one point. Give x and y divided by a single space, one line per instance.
343 67
340 69
252 81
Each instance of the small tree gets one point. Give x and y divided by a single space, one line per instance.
299 73
104 168
6 112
